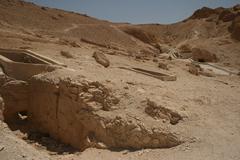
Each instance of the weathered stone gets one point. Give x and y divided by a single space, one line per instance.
66 54
101 59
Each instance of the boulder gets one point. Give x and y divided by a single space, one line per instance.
101 59
203 55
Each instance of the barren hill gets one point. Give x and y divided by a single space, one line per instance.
76 87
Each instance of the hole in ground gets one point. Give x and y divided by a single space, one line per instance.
22 128
201 60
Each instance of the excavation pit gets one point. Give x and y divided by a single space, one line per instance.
23 64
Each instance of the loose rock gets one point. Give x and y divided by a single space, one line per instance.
66 54
101 59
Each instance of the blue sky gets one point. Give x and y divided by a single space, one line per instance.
136 11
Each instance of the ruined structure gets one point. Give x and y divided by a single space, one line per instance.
81 112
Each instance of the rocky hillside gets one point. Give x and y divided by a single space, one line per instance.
217 30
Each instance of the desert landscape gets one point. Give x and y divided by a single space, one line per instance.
73 87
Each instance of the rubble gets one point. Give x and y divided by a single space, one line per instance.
160 112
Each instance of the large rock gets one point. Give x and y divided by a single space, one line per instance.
101 59
203 55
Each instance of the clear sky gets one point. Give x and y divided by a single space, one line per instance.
136 11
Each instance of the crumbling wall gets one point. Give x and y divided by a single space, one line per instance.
70 109
80 112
